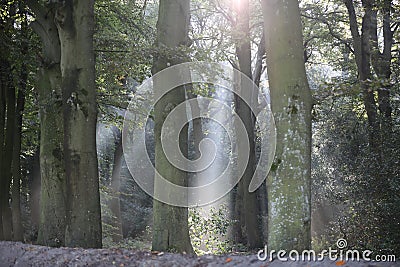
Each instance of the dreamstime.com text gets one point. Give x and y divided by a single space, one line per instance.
339 254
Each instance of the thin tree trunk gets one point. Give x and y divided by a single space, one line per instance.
34 195
75 22
115 205
2 135
289 181
259 69
362 53
6 171
250 201
16 186
381 61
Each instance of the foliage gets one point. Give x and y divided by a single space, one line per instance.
208 232
346 174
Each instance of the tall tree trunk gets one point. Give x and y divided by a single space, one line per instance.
16 171
75 22
6 171
2 136
52 171
7 118
170 223
250 201
289 181
3 72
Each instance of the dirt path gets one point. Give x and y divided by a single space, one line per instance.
17 254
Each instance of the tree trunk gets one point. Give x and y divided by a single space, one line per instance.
52 171
259 69
75 22
5 159
170 223
115 205
250 201
2 136
16 171
381 61
362 53
6 171
16 185
289 181
34 195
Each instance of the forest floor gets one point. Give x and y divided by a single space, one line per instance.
18 254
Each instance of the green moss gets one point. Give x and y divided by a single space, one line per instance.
275 165
292 110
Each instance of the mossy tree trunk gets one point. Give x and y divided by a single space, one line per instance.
52 171
170 223
75 23
289 189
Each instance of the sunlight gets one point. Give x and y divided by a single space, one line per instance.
237 5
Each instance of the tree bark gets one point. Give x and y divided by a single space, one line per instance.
250 201
16 172
362 52
52 172
16 165
6 171
2 136
381 61
259 69
75 23
289 181
170 223
7 119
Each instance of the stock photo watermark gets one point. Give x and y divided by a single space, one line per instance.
340 255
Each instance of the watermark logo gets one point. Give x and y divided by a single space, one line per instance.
221 77
340 255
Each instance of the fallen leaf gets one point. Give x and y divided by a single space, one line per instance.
340 263
228 260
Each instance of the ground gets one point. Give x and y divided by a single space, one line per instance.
18 254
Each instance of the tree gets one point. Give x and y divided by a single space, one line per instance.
170 224
250 203
52 171
7 117
20 105
75 23
289 181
